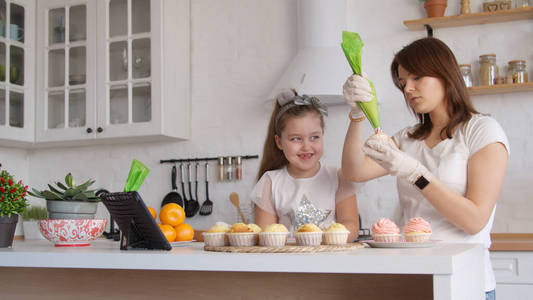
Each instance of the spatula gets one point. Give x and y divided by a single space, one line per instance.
234 198
192 206
207 206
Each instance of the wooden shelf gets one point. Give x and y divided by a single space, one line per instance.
523 13
501 88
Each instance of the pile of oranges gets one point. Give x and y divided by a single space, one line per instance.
172 217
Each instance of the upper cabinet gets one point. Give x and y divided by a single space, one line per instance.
106 73
17 72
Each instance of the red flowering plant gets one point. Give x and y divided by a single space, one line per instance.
12 195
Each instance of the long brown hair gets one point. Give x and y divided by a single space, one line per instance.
431 57
273 157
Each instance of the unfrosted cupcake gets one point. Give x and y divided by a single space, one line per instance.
273 235
216 235
385 231
417 230
242 235
308 235
336 234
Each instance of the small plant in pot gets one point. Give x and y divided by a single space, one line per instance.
30 218
12 203
68 200
435 8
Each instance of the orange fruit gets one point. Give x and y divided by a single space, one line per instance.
184 232
172 214
152 212
168 231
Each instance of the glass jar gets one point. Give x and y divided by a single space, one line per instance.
229 169
466 71
220 169
488 70
521 3
516 71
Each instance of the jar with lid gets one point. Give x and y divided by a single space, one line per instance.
220 169
521 3
466 72
516 71
488 70
238 168
229 168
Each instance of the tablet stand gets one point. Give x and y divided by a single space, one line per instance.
138 228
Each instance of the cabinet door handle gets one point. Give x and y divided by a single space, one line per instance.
89 130
99 129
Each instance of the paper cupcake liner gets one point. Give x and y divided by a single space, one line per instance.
387 238
308 238
336 238
417 237
273 239
242 239
215 239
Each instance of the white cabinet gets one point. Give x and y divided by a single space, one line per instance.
112 70
17 65
514 274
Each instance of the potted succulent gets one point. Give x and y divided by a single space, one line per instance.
435 8
30 218
12 203
68 200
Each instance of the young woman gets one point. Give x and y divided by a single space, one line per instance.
293 187
451 165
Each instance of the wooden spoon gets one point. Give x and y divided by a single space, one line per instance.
234 198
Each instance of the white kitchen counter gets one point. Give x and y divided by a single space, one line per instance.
456 269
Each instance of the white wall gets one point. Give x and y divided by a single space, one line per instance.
239 50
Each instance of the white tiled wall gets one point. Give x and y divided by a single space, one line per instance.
239 50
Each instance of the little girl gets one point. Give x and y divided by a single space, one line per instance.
293 187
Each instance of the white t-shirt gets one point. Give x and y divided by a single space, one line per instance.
448 162
277 192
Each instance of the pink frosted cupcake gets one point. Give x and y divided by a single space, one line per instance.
417 230
385 231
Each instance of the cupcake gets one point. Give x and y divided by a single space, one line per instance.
241 235
385 231
308 235
273 235
336 234
255 228
216 235
417 230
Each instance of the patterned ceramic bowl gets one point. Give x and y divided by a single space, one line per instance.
72 232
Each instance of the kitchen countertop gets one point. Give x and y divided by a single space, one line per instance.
450 271
512 242
439 259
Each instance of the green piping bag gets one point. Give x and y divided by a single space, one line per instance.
352 45
136 176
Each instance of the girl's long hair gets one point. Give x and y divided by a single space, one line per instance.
273 158
431 57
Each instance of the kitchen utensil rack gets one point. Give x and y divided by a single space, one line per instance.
164 161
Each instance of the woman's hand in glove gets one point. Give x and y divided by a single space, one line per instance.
357 89
396 162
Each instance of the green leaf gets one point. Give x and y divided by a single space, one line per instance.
85 185
51 195
69 180
71 192
36 193
59 184
55 190
80 196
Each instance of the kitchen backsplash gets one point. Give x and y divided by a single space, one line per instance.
238 53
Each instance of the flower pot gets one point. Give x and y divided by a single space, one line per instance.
7 230
32 231
60 209
435 8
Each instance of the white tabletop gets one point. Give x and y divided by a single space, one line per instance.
442 258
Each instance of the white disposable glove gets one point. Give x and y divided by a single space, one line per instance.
395 161
357 89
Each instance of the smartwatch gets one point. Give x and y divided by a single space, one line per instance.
421 182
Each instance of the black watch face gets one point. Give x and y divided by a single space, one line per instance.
421 182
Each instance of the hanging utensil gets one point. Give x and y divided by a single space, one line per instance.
184 193
234 198
192 206
173 196
207 206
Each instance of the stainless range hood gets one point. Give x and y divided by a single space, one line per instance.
320 67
